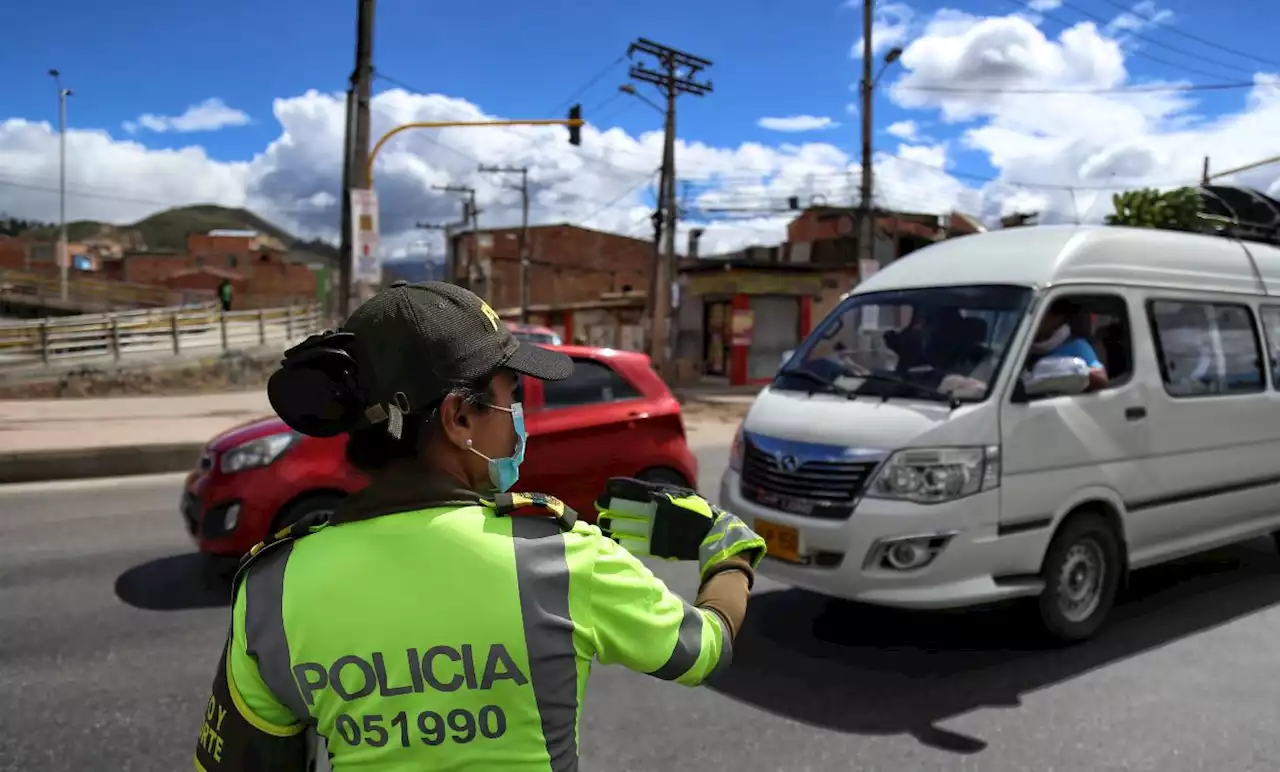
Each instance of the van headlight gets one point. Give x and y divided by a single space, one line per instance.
935 475
257 453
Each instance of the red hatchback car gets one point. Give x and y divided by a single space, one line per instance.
613 417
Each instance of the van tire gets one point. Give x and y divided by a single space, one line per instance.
1084 560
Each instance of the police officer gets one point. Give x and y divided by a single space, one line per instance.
439 620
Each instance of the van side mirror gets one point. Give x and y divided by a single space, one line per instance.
1056 376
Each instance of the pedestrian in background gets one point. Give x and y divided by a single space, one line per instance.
224 294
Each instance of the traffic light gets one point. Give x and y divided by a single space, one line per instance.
575 129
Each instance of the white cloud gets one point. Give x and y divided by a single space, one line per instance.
1094 143
893 25
1142 15
797 123
903 129
210 115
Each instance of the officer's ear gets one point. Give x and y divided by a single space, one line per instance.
455 421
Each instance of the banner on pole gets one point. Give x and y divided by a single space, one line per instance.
366 257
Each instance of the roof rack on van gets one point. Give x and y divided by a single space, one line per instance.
1241 213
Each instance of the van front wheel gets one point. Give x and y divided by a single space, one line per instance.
1081 574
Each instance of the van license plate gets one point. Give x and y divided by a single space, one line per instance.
782 541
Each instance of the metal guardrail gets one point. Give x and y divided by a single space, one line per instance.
96 294
151 331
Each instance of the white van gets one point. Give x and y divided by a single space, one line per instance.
909 454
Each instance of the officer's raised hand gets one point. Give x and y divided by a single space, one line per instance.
675 524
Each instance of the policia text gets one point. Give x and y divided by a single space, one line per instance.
352 678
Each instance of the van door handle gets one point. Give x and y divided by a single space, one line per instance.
1135 413
637 414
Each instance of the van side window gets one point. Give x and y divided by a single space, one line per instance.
1206 348
1271 327
1096 323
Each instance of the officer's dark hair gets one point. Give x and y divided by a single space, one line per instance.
370 448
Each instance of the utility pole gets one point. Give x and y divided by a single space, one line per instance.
523 171
1208 178
357 175
469 213
678 70
63 257
345 250
445 229
866 238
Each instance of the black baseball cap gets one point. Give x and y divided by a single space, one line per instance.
413 343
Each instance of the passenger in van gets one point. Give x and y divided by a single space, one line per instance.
1057 336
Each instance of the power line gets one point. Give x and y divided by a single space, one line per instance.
1022 5
593 81
1189 36
169 204
1116 90
1035 185
614 202
1156 41
426 135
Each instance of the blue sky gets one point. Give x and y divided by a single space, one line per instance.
524 59
772 57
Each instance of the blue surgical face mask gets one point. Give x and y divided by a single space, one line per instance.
504 472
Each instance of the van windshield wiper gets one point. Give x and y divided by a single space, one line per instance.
918 388
818 379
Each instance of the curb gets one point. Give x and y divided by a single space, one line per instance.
122 461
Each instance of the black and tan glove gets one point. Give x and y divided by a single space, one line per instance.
674 523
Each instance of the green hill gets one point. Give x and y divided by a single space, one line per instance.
169 229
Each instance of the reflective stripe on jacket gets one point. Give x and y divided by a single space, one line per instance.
453 638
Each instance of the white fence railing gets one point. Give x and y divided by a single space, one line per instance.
151 332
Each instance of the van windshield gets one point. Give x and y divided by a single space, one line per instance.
902 343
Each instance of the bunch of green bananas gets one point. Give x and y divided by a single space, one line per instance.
1177 210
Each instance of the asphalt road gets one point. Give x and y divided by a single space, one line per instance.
108 638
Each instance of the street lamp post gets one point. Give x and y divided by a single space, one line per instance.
63 258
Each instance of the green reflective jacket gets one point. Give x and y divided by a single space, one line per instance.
452 638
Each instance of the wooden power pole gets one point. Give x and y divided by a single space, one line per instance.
469 213
675 75
355 175
523 171
866 206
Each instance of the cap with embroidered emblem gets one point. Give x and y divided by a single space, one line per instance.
415 342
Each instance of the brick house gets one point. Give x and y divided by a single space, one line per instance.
87 255
13 253
567 264
207 279
898 233
260 267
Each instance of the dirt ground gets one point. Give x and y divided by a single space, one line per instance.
714 412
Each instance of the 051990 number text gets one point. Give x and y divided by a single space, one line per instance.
428 727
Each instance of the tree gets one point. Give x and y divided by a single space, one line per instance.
1174 210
